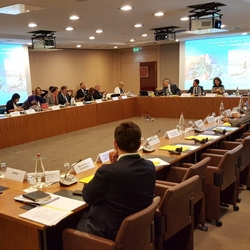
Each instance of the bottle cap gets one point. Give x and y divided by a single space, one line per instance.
38 154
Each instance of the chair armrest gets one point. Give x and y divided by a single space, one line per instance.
77 240
215 158
160 189
166 183
186 165
239 140
228 145
213 176
216 151
176 174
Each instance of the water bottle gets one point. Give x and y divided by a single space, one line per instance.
3 169
181 124
237 91
240 105
39 172
72 101
221 108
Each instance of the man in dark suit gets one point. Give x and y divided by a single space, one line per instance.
64 97
168 88
82 92
98 94
119 189
196 89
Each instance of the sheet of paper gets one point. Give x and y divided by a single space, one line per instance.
158 162
173 147
191 147
87 179
198 137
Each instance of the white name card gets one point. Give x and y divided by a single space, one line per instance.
199 123
115 98
52 176
14 114
15 174
185 95
171 133
78 104
55 107
103 157
84 165
30 111
210 119
98 100
227 112
210 94
124 97
153 140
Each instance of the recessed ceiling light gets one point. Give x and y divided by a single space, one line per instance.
74 17
184 18
69 28
177 40
144 35
126 7
29 44
132 40
223 26
78 46
159 14
115 47
91 37
32 25
138 25
99 31
244 33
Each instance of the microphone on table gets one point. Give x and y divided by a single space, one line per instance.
69 179
146 147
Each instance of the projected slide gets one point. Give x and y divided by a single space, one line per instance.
227 58
14 72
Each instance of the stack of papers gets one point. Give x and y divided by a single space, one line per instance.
173 147
198 137
158 162
87 179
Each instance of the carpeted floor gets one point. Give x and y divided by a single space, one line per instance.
82 144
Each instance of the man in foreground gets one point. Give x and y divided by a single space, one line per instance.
119 189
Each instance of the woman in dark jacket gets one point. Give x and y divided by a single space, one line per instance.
12 105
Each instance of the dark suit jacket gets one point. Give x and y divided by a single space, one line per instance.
97 95
81 93
117 191
174 90
200 89
9 105
61 99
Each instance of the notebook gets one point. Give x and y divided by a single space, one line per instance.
37 196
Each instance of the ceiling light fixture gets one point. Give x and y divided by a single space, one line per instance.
126 7
78 46
31 25
91 37
99 31
144 35
132 40
223 26
115 47
74 17
159 14
138 25
69 28
184 18
244 33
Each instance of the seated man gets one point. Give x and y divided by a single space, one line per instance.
63 96
196 89
98 94
82 92
238 119
168 88
119 189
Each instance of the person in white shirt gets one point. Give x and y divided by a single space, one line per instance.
119 89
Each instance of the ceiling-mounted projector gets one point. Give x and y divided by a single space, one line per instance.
43 39
199 24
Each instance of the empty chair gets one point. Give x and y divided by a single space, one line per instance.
186 171
221 182
174 216
136 232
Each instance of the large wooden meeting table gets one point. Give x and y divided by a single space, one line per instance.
19 233
28 128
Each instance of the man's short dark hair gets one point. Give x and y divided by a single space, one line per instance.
128 137
63 88
197 81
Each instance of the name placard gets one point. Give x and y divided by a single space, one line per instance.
103 157
84 165
210 119
78 104
199 123
14 114
210 94
185 95
227 112
115 98
55 107
171 133
124 97
52 176
30 111
15 174
98 100
153 140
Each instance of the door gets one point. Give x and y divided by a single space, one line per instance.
148 76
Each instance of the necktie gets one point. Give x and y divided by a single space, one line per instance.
195 90
55 101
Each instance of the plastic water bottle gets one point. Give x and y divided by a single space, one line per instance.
72 101
181 124
240 105
3 169
221 108
39 172
237 91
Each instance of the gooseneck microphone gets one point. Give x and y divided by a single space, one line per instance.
146 147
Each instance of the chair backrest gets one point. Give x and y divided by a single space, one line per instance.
227 165
198 169
175 206
136 230
245 152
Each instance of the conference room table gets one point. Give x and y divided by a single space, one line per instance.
19 233
48 123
